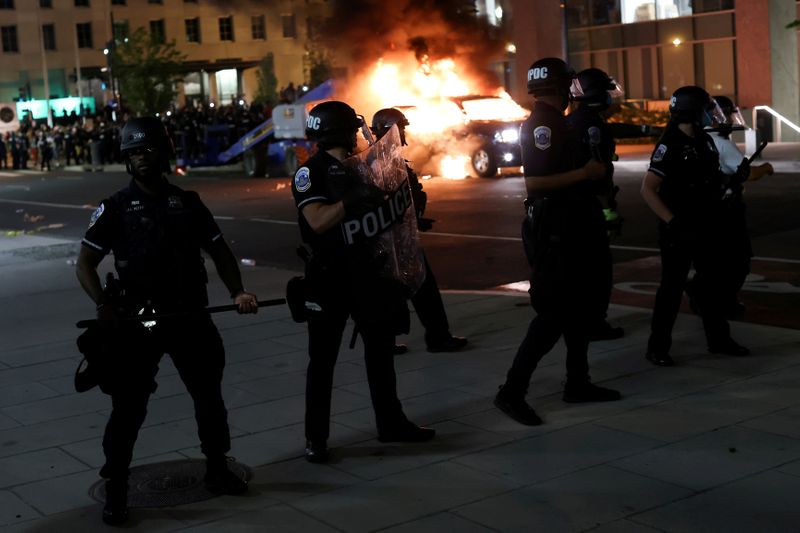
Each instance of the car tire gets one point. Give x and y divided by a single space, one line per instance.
483 162
255 163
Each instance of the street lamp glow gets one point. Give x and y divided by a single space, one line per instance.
105 51
211 105
241 102
498 13
511 48
169 113
676 41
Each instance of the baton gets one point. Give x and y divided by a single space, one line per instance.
147 318
757 152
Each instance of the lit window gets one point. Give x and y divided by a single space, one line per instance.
6 4
645 10
46 4
81 3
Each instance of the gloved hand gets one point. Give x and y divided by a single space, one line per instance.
362 198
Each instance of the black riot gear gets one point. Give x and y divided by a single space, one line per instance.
549 76
332 124
725 103
733 117
596 88
384 119
693 104
148 133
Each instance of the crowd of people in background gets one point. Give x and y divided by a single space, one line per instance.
94 141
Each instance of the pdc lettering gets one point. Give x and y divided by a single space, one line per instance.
378 220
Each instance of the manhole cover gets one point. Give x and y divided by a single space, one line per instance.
168 484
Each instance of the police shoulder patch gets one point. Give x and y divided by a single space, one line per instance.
97 213
658 155
302 179
594 135
542 137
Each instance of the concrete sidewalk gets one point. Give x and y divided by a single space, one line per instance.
710 445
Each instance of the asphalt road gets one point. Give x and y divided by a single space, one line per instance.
475 240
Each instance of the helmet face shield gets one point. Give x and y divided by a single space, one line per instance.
714 113
575 89
736 118
615 89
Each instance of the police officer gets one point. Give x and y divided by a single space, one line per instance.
735 262
344 280
594 91
565 238
155 231
427 300
684 188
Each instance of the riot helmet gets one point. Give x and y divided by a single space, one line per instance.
549 76
597 89
733 117
694 105
146 133
332 124
383 120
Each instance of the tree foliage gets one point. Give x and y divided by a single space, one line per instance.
318 66
267 91
147 72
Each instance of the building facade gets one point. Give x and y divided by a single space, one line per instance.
223 41
738 48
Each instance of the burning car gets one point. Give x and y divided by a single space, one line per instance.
482 133
491 131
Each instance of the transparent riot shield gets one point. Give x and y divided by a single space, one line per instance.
393 226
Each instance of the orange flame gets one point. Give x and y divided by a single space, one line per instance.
424 93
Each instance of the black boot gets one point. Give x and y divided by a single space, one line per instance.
406 432
728 347
447 343
604 331
220 480
586 391
659 358
317 452
517 408
115 511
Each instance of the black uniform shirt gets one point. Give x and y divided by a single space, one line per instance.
689 168
593 134
156 242
545 142
549 147
319 181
